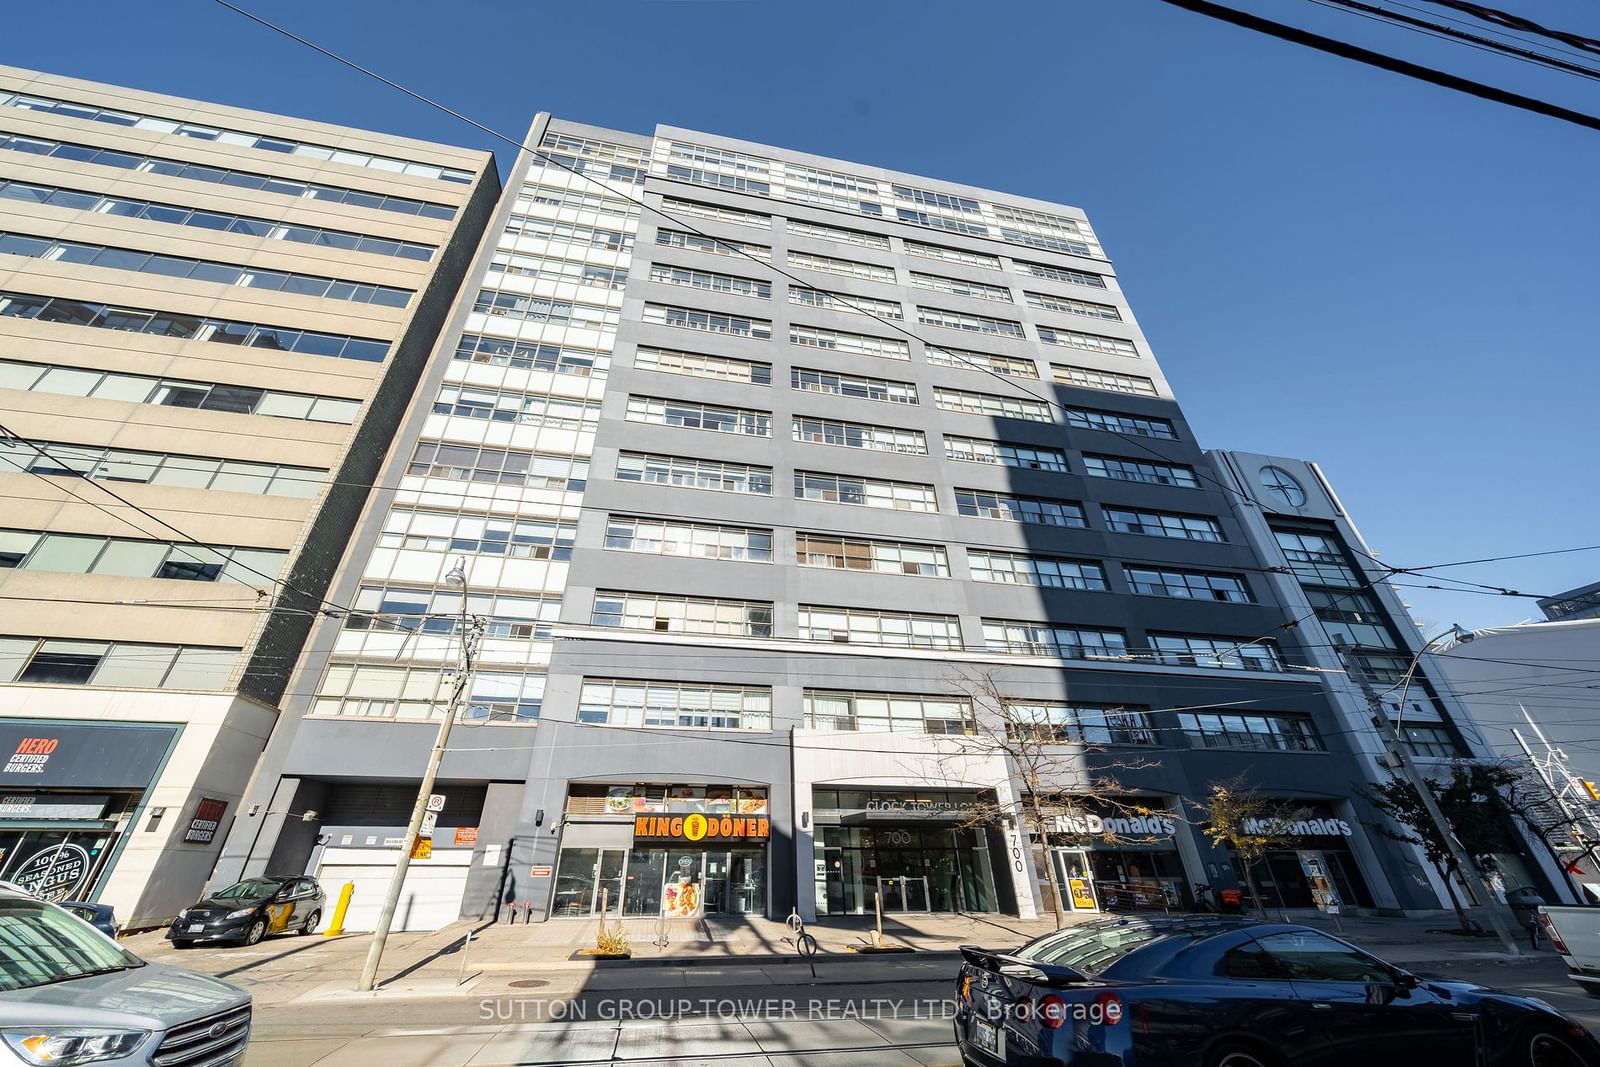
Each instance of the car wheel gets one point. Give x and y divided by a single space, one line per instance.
257 931
1239 1055
311 922
1553 1048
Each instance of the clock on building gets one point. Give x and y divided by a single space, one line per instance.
1281 487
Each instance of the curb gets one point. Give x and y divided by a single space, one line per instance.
768 961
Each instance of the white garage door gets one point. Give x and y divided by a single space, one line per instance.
430 898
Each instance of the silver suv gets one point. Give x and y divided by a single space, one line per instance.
69 995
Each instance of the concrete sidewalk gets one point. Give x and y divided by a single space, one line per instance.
444 961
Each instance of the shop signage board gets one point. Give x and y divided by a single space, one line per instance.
51 806
207 819
54 755
1122 826
1082 894
466 835
1282 827
701 827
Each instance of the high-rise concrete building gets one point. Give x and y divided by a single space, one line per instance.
774 476
211 322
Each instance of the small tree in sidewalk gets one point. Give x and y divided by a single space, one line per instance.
1470 802
1240 818
1055 761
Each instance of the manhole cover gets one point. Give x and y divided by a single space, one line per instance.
529 983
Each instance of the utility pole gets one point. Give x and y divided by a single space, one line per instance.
1400 761
469 634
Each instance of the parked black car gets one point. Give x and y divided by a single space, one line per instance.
249 910
100 916
1209 991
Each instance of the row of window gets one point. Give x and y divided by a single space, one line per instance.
728 368
128 557
547 310
532 355
175 392
755 423
220 221
750 544
728 617
448 531
875 272
123 664
377 691
190 327
499 466
159 468
568 234
201 270
555 269
893 348
716 246
238 179
438 611
720 476
758 176
572 203
224 135
679 705
521 409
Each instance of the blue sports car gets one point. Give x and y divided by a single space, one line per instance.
1204 991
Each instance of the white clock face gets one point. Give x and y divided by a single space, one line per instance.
1281 487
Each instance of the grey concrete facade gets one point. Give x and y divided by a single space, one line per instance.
541 773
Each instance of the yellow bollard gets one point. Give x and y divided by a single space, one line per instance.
336 927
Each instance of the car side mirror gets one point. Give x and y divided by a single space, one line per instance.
1405 981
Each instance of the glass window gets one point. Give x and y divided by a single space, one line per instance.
15 546
202 668
64 662
1306 956
135 666
131 559
71 553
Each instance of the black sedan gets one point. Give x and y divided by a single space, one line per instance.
247 911
1220 992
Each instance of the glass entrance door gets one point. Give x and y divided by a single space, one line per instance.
1077 880
716 868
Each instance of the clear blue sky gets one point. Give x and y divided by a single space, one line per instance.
1331 261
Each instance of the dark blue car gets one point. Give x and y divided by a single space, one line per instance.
1204 991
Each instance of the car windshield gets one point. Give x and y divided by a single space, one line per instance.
1090 951
250 889
40 944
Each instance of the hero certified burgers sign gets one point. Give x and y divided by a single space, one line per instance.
38 754
700 827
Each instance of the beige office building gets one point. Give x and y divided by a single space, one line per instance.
211 322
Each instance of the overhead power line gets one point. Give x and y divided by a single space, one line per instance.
1517 22
1471 40
1345 50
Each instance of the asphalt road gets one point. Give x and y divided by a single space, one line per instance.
872 1014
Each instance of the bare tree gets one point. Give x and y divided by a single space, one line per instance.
1057 763
1242 818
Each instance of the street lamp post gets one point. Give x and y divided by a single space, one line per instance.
456 579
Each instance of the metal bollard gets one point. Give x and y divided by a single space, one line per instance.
336 925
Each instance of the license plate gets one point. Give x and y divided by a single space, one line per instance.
986 1038
195 928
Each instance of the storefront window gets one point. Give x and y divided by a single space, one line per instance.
909 868
676 882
